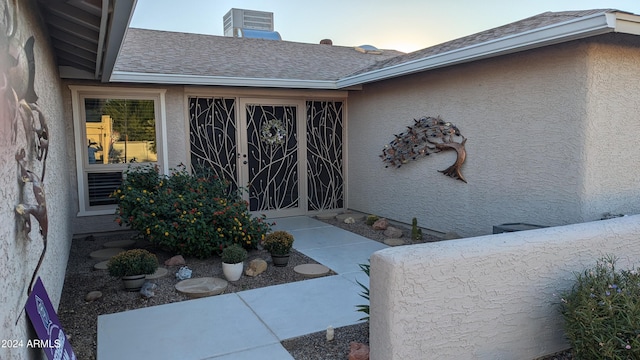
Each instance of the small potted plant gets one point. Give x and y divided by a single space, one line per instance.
233 257
132 266
279 244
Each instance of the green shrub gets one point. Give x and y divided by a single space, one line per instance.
602 313
132 262
233 254
366 268
192 215
371 219
278 242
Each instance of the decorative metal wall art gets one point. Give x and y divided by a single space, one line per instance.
428 135
17 77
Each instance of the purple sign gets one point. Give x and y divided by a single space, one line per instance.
52 340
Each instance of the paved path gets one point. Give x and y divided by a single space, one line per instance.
249 324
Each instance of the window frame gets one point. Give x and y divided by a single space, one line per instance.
78 96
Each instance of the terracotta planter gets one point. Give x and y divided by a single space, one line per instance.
232 272
133 282
280 260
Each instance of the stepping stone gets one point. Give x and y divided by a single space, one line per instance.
106 254
311 270
326 216
394 242
119 244
160 272
102 265
355 216
202 287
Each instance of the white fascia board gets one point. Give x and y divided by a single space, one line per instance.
626 23
571 30
157 78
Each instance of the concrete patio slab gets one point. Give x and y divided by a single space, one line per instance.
187 330
345 258
323 237
296 223
300 308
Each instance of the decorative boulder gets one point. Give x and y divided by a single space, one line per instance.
175 261
358 351
393 232
349 220
380 224
93 296
148 289
256 267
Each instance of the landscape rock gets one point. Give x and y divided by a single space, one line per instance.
451 235
380 224
358 351
349 220
183 273
175 261
148 289
256 267
93 296
393 232
394 242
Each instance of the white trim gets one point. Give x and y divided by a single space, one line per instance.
80 92
571 30
305 94
158 78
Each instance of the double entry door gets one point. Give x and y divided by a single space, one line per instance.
286 154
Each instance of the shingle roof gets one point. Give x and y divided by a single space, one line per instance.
531 23
169 57
163 52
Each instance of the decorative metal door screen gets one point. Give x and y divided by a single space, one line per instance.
258 145
272 157
213 133
325 178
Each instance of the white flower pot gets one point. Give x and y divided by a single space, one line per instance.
232 272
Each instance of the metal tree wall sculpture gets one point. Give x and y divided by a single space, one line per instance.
428 135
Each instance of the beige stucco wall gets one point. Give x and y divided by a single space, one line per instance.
489 297
534 123
612 154
20 251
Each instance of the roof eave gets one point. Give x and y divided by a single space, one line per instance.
158 78
121 17
557 33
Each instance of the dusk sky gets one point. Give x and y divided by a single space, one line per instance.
404 25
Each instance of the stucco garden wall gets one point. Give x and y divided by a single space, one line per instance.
534 126
490 297
20 250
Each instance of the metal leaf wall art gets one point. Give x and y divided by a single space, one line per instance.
428 135
19 99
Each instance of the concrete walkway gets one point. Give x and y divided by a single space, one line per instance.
250 324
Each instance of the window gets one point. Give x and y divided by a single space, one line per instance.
114 128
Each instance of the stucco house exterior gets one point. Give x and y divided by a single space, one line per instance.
536 100
549 106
